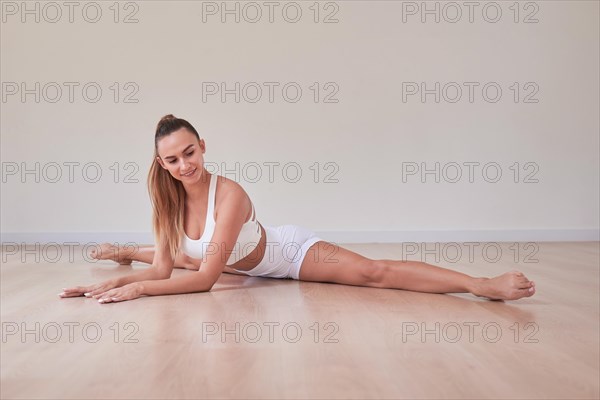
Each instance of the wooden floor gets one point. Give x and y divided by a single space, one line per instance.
269 338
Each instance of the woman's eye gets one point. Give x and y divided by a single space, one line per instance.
188 154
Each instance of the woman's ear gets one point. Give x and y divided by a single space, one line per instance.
160 161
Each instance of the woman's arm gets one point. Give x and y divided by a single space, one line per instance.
148 274
228 226
162 267
98 289
193 282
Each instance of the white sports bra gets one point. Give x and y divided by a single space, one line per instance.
247 240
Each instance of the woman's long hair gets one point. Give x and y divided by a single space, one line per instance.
167 194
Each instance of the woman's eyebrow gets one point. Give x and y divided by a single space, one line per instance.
184 150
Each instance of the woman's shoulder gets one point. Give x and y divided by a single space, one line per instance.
228 187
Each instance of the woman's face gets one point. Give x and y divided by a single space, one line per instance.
181 154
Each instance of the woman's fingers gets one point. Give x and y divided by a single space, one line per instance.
86 291
73 291
69 294
99 293
95 292
124 293
103 292
107 297
99 289
111 299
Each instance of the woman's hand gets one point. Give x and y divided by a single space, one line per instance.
89 291
130 291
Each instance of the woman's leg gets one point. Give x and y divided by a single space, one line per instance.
127 254
328 262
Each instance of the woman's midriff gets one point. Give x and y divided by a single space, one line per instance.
253 258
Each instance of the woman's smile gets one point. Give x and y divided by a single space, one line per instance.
187 175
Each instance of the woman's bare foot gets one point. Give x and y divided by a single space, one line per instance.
108 251
509 286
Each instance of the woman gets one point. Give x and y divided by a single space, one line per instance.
207 223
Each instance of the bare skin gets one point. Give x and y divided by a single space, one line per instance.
511 285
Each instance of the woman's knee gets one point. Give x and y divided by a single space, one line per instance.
373 273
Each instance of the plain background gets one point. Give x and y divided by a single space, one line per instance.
361 143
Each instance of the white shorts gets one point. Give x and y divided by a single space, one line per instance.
286 247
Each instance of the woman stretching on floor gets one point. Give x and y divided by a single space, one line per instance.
212 220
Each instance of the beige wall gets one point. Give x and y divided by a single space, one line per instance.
368 61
